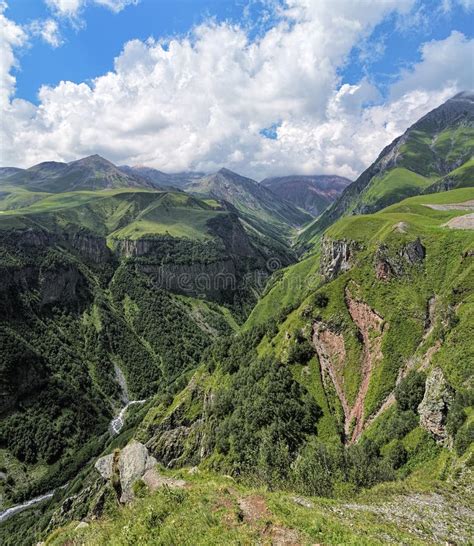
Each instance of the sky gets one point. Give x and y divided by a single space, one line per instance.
262 87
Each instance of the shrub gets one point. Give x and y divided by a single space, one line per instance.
300 352
409 392
464 438
457 415
316 469
321 300
396 454
139 489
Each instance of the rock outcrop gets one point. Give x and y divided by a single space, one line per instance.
414 252
104 466
183 436
129 465
390 264
337 257
433 409
134 461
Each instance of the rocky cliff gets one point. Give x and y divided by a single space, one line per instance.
337 256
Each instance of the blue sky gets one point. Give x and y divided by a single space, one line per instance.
278 113
91 45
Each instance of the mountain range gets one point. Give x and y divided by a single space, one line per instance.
310 193
216 360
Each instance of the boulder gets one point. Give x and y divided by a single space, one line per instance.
134 461
128 465
104 466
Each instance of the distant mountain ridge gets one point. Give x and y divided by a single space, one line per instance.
89 173
178 180
257 204
312 193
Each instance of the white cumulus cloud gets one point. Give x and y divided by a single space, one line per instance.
71 8
201 101
11 36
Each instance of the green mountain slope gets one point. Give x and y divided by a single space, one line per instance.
258 206
440 143
122 213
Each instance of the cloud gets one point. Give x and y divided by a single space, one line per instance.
450 60
448 5
11 36
201 101
48 30
72 8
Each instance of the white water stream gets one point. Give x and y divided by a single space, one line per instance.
117 422
20 507
9 512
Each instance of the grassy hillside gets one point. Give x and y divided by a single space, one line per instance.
122 213
279 336
320 449
262 410
215 510
394 186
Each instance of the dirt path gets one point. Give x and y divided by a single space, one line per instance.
461 222
467 205
256 513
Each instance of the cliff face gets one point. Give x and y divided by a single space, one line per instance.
390 264
433 409
90 247
215 268
213 280
336 257
48 265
